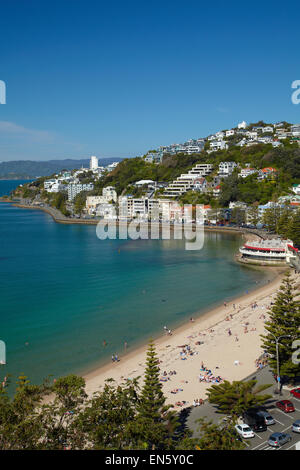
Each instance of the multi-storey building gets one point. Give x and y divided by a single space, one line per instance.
76 188
226 169
93 163
185 182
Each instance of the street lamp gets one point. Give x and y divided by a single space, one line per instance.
277 357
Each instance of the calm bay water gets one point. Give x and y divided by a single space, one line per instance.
63 291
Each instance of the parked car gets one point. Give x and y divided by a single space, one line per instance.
277 439
244 430
267 417
296 426
285 405
254 420
295 392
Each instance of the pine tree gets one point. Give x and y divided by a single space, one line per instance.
152 399
283 223
155 423
233 398
270 218
284 322
294 229
253 215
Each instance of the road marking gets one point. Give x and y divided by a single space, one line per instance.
268 447
261 444
291 446
278 422
258 436
285 414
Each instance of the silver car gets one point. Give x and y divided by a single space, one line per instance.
277 439
296 426
267 417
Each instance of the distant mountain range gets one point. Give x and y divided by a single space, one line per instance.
27 169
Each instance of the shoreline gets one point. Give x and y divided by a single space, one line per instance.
132 363
59 218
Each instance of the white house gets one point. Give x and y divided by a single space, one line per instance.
246 172
200 184
54 186
109 193
220 135
230 132
268 129
218 145
296 188
107 211
252 134
226 168
242 125
144 183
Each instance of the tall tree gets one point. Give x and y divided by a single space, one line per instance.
270 218
284 322
155 420
283 223
294 228
253 215
152 400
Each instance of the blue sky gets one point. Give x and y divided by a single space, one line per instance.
115 79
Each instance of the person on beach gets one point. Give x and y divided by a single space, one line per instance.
113 358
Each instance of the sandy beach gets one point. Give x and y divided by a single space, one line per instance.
225 340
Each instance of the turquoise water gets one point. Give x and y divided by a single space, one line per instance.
64 291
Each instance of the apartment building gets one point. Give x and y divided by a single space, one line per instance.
76 188
226 169
93 163
185 182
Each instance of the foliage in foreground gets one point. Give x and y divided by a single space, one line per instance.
60 415
234 398
283 325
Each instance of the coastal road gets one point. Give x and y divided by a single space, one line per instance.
283 420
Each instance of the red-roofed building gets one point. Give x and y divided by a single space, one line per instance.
217 190
266 172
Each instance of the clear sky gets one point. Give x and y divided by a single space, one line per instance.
117 78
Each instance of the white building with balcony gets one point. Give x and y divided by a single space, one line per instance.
76 188
226 169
